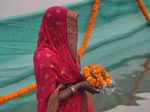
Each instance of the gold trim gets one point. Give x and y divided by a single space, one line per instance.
51 65
38 56
62 71
48 15
52 85
41 100
41 65
72 32
46 48
46 76
58 23
58 11
56 76
48 55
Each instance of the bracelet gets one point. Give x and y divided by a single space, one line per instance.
73 90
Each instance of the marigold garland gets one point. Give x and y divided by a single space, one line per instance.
80 52
143 9
89 28
96 76
17 93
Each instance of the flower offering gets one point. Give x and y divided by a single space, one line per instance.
97 76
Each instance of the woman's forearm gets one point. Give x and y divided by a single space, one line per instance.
66 93
62 95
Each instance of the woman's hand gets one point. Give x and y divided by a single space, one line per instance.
86 86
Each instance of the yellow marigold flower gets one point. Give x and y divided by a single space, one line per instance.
89 78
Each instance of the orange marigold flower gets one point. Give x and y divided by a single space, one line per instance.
87 74
97 84
91 21
90 65
22 91
1 99
108 77
95 7
14 94
5 98
107 80
95 71
9 96
97 75
96 79
86 68
93 81
97 1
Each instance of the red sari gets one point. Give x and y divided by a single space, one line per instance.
54 64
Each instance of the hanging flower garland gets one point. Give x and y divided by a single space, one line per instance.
89 28
80 52
17 93
143 9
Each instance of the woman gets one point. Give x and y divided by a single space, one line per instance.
57 67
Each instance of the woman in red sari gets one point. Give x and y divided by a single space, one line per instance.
57 67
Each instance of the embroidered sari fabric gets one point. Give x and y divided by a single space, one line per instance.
54 60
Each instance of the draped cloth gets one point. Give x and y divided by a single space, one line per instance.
55 64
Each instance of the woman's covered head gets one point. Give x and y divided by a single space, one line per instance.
58 32
52 31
